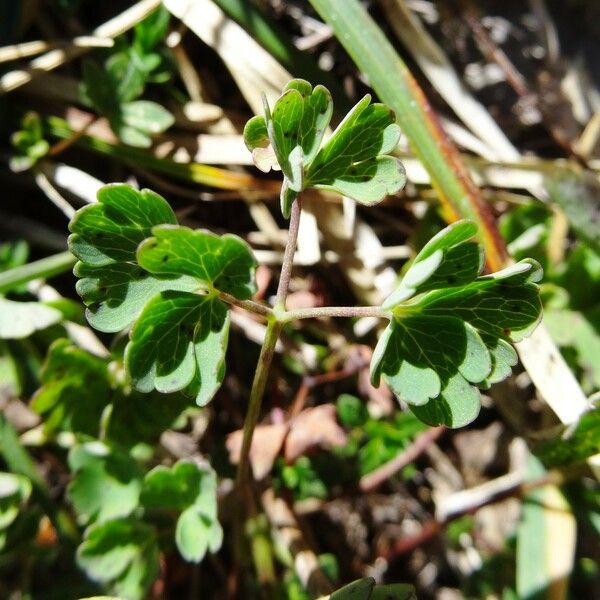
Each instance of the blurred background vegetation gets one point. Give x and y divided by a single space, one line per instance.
506 131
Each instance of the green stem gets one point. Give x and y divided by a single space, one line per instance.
335 311
258 389
274 327
39 269
288 256
249 305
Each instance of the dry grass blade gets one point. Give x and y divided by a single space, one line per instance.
55 58
440 72
254 70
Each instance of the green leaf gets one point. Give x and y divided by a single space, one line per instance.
122 553
297 124
98 89
110 230
195 534
351 411
131 136
578 443
394 591
127 76
453 335
75 389
365 589
505 303
141 418
149 32
256 134
116 293
446 260
357 590
353 161
146 116
191 489
179 486
179 340
222 262
21 319
29 143
106 483
15 490
105 239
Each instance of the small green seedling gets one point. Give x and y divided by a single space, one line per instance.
113 88
29 143
450 327
354 161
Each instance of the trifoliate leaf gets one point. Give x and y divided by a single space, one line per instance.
221 262
453 335
353 161
121 553
106 483
137 266
191 489
295 129
21 319
297 125
445 261
75 389
179 340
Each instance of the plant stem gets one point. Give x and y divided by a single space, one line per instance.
288 256
336 311
274 327
249 305
258 389
39 269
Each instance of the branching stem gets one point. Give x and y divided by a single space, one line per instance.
276 318
274 327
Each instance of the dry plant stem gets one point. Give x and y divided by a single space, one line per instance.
53 59
373 480
63 145
274 327
433 528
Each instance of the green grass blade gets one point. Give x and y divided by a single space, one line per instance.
394 84
39 269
